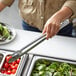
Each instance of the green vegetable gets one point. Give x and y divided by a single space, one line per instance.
41 67
54 65
4 32
57 74
1 27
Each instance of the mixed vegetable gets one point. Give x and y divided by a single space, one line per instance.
5 33
51 68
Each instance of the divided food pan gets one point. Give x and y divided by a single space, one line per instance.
63 66
20 67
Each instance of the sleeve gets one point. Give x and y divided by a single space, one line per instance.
72 5
7 2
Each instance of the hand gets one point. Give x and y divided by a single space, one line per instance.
52 26
2 6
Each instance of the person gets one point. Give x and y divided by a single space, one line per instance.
45 16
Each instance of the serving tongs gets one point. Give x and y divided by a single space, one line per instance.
30 46
27 48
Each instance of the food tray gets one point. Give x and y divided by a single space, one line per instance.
20 66
51 59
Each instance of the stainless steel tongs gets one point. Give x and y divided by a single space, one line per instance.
27 48
30 46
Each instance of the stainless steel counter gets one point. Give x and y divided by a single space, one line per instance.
62 47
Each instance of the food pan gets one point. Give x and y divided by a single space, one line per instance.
58 67
21 64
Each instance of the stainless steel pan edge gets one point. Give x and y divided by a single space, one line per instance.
26 68
24 59
48 58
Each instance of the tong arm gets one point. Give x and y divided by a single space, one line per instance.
28 47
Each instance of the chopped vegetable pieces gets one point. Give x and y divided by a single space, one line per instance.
5 33
44 67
